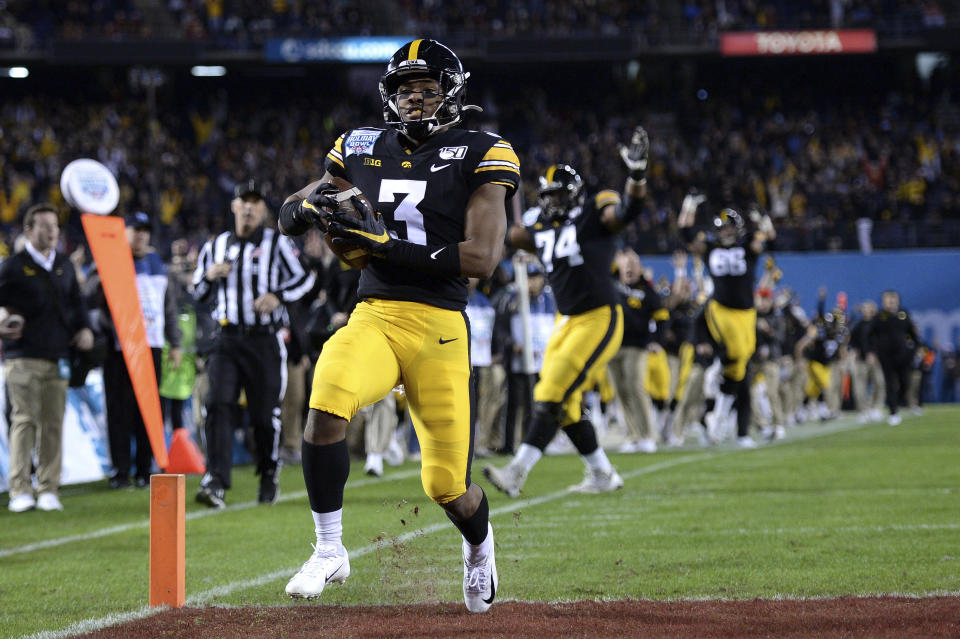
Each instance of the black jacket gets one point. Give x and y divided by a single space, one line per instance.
52 307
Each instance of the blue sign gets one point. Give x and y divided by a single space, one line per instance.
928 282
357 49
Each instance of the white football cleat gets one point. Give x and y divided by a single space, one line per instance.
394 454
646 446
21 503
628 447
328 564
374 465
48 502
895 419
597 481
480 580
746 442
508 479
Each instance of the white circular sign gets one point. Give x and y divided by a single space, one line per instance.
90 186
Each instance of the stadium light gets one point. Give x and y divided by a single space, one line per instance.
18 72
208 71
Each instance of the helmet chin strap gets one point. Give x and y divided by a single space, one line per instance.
420 130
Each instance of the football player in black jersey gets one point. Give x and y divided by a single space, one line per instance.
731 259
574 237
440 197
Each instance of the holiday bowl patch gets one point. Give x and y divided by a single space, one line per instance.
360 142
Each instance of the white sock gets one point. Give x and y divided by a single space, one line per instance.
476 554
329 528
598 460
527 457
723 406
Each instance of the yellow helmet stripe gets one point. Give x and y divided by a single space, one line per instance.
550 172
414 49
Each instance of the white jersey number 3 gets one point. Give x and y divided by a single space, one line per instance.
407 211
552 246
731 261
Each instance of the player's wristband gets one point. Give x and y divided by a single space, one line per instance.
291 220
435 260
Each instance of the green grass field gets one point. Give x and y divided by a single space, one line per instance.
835 509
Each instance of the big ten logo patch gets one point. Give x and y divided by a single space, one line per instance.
372 162
453 152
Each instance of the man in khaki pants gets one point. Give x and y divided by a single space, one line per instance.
642 308
38 288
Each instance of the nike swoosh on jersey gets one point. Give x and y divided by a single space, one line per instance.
434 255
434 168
447 341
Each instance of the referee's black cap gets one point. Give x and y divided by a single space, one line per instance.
251 187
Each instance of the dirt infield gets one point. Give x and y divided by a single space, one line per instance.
874 617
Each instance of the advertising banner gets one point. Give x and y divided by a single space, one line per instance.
764 43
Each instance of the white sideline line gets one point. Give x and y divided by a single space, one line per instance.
200 514
93 624
196 514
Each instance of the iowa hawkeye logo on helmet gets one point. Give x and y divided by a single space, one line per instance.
425 59
728 217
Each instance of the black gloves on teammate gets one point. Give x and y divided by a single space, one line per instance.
635 155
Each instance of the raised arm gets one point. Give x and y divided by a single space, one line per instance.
695 241
616 217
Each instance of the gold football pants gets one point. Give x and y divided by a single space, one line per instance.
818 379
577 354
657 378
427 349
735 329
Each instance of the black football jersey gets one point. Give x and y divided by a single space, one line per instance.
577 254
422 195
642 312
732 270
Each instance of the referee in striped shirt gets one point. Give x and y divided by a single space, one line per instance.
250 272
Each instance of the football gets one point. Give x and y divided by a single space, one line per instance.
355 257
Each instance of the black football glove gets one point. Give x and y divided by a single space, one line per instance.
368 233
635 155
317 206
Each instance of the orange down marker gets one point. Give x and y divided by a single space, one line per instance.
167 540
107 238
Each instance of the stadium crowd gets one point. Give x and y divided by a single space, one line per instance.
247 23
821 169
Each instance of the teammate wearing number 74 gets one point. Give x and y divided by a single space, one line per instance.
440 197
574 236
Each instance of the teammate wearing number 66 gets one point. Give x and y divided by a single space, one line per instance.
439 194
574 236
731 258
